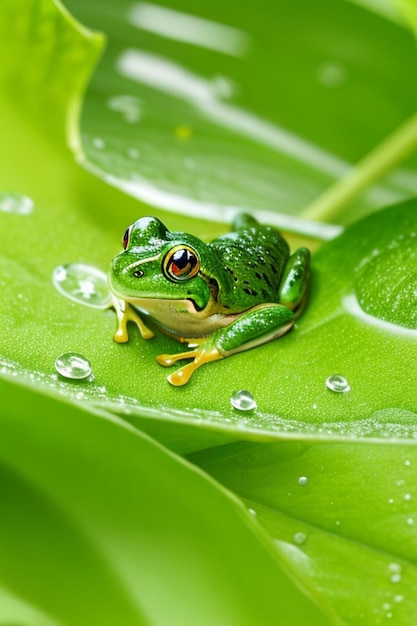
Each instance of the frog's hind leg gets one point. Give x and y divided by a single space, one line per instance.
199 356
259 325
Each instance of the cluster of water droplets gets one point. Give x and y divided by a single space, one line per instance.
244 401
88 285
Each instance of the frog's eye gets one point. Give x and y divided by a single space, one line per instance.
126 237
181 263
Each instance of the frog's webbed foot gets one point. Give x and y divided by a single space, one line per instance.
200 356
126 313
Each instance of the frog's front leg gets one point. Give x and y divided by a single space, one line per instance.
126 313
255 327
295 281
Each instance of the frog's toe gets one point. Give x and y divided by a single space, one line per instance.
183 375
147 333
121 336
169 359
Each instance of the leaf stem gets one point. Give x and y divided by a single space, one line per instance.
394 149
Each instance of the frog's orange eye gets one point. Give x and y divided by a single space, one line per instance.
126 237
181 263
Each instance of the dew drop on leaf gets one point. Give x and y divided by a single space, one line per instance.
16 203
300 538
332 74
82 283
337 383
98 143
73 366
243 401
395 572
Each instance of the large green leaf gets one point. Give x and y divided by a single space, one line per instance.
343 515
206 108
331 337
101 525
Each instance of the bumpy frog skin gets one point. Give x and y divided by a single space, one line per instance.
234 293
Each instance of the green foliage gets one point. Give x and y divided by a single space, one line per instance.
101 523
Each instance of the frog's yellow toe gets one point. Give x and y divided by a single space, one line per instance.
183 375
120 336
165 360
169 359
180 377
146 332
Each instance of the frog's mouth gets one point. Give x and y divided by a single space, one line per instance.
182 316
145 302
190 302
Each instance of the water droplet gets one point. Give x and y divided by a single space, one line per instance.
243 401
398 598
16 203
129 106
332 74
223 87
252 512
300 538
98 143
395 569
133 153
83 283
73 365
407 496
303 481
408 463
337 383
410 521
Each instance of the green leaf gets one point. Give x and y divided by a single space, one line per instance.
344 317
101 525
343 516
201 109
331 338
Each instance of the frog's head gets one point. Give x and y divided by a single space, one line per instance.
158 264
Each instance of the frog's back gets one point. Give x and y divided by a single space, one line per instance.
254 255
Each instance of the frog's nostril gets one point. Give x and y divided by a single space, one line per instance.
138 273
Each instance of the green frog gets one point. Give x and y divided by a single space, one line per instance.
237 292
